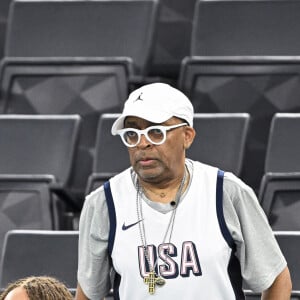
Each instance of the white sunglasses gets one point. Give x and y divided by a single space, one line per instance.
156 134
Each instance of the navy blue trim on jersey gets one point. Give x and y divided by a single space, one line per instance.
234 267
219 203
112 216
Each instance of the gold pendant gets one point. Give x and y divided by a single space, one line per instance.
152 280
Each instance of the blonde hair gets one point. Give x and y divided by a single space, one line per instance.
40 288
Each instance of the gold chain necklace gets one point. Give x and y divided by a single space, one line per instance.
153 279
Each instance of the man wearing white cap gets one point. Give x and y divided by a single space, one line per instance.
169 227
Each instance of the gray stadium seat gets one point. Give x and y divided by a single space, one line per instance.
220 140
38 145
83 86
280 186
99 28
173 37
258 86
26 203
279 196
40 252
283 144
107 146
246 28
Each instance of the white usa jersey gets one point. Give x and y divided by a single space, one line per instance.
197 263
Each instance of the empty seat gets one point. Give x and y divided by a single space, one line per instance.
279 196
283 144
83 29
40 252
87 87
111 154
38 145
220 140
244 28
258 86
173 37
280 186
26 203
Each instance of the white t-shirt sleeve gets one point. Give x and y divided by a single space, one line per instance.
94 265
257 249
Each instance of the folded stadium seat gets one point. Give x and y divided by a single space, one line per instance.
100 28
220 140
233 67
280 186
87 87
40 252
34 145
258 86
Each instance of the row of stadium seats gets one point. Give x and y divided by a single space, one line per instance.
168 31
37 160
55 253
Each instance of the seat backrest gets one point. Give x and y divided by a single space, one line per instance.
220 140
111 154
260 87
289 243
83 28
284 144
26 202
237 27
173 39
38 144
40 252
279 196
88 87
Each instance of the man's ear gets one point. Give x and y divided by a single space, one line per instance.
190 134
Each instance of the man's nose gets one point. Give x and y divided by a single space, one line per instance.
144 142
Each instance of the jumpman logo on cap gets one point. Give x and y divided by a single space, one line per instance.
139 98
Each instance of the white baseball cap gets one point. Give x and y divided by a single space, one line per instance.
156 103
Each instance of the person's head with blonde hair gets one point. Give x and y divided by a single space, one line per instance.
36 288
